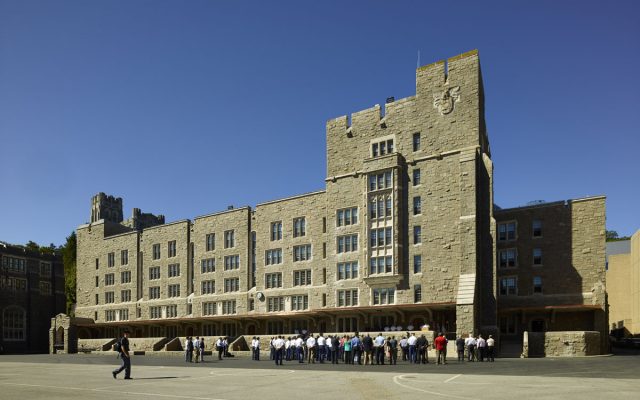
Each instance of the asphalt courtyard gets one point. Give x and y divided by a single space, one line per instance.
165 377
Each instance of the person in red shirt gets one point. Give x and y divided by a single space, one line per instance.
441 348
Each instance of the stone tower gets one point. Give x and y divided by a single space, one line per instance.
106 207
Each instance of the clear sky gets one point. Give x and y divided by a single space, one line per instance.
185 107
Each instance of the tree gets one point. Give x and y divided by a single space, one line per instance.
32 246
69 260
612 235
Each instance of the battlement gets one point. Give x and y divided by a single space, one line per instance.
106 207
140 220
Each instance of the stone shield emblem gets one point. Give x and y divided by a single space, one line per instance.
446 100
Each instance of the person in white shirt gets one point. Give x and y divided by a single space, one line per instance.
278 344
255 348
287 349
404 347
300 349
321 348
187 349
482 344
311 348
491 343
470 342
329 345
413 353
196 348
220 348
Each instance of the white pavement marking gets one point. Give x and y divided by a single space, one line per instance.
452 378
396 380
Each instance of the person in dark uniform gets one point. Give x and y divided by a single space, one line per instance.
124 357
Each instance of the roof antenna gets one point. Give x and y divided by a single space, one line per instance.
418 63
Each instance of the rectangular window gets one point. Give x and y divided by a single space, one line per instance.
210 242
273 280
155 312
299 302
231 285
509 286
381 265
208 287
537 256
417 264
125 295
156 251
417 205
124 315
154 292
276 230
348 298
171 248
174 290
231 262
347 270
97 281
97 263
416 141
172 311
125 277
384 296
537 284
347 216
109 279
302 277
110 315
508 258
537 228
347 243
381 237
45 288
302 253
209 308
208 265
109 297
299 227
229 307
154 273
97 299
417 293
416 177
273 256
380 181
417 234
229 239
174 270
387 207
507 231
124 257
111 260
275 304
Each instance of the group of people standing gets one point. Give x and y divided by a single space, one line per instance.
478 349
195 346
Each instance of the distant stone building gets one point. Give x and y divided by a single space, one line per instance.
31 293
404 234
623 286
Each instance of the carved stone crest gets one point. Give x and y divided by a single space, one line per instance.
446 100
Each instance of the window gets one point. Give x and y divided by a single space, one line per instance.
381 237
154 273
111 260
109 279
109 297
302 253
347 216
302 277
275 304
45 288
45 269
348 324
384 296
273 256
416 177
416 141
208 287
208 265
123 314
347 243
155 312
229 307
174 270
124 257
347 298
209 308
172 311
382 148
110 315
125 277
417 205
97 299
299 227
210 241
508 258
156 251
417 234
154 292
380 181
231 262
348 270
97 264
97 281
231 285
12 264
537 256
508 325
273 280
299 302
537 284
125 295
381 265
507 231
417 264
174 290
537 228
508 286
229 239
171 248
417 293
252 305
276 230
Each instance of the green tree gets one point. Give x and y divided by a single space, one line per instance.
612 235
69 260
33 246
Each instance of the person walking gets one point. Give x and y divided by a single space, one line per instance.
125 357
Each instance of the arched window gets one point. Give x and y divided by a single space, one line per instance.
13 324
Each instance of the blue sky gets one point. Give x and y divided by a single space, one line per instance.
185 107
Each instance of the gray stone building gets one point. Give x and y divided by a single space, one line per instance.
404 234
